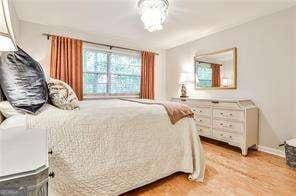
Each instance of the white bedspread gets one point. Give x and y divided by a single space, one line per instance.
109 147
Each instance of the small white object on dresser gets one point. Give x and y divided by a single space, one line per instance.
233 121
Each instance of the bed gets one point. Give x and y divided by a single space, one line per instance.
108 147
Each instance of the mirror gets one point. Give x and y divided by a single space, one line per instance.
216 70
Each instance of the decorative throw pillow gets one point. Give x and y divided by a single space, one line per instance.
23 81
62 95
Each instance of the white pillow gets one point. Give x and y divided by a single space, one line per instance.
7 110
14 121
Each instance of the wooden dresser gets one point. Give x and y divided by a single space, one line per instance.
231 121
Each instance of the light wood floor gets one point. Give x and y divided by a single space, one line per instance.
229 173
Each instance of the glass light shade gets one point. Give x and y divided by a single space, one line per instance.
7 41
153 13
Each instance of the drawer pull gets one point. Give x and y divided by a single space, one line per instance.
230 137
51 174
226 126
221 113
50 152
230 114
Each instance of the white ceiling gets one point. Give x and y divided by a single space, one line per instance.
187 20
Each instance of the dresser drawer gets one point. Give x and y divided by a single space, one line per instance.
202 111
228 137
230 114
204 131
228 125
202 121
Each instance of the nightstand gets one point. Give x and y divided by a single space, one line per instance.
23 162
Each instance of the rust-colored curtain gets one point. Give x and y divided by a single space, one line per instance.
215 75
147 75
66 62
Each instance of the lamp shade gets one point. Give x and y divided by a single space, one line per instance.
226 82
185 78
7 41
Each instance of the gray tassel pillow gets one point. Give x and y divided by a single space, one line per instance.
62 95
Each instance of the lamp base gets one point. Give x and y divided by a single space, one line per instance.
183 92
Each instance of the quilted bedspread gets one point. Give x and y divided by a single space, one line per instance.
109 147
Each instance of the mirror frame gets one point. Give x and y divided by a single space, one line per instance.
234 50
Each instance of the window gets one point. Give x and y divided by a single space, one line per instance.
204 74
110 73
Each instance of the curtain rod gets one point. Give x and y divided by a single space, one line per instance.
208 63
100 44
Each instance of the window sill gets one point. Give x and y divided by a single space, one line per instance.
92 97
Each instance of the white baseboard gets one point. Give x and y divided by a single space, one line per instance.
271 151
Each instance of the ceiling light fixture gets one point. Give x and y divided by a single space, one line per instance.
153 13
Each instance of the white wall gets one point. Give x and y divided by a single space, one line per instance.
160 76
33 42
15 22
266 54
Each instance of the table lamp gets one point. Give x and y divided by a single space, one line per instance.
7 41
185 78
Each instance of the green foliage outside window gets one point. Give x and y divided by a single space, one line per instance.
110 73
